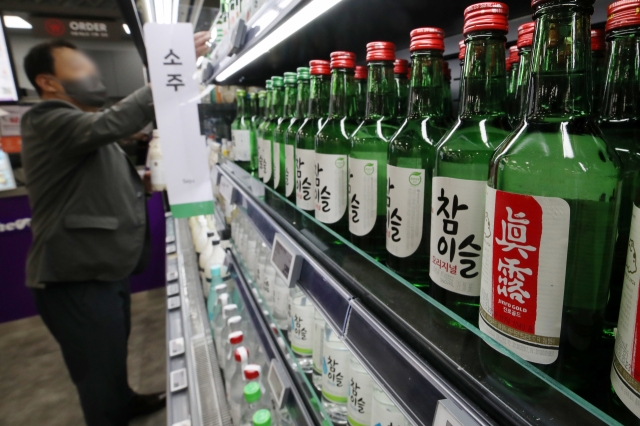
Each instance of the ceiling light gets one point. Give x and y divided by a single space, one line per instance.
11 21
293 24
126 28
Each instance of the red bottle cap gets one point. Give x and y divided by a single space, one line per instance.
427 38
251 372
381 51
463 50
597 40
623 13
525 34
241 354
319 67
236 337
400 66
342 59
361 72
486 16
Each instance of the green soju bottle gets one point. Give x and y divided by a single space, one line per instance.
598 68
368 158
280 132
402 86
361 92
306 137
302 108
267 155
620 123
412 156
243 135
333 146
258 112
519 98
462 164
551 214
446 96
262 142
512 78
461 54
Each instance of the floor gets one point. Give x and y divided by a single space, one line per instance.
35 388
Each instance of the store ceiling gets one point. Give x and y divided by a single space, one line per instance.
77 8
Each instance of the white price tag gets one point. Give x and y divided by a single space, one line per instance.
449 414
171 248
178 380
172 276
173 302
173 289
286 260
226 189
176 347
278 388
170 239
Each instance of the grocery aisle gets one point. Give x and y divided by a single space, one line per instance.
34 383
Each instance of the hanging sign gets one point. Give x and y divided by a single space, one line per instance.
172 68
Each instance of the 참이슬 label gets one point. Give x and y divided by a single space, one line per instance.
405 209
302 326
264 161
360 396
363 195
331 187
241 144
276 164
290 172
305 161
526 240
335 366
625 371
457 220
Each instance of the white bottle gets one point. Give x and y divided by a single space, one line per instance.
204 262
233 325
241 358
301 328
360 394
227 312
250 373
156 164
335 374
216 311
319 325
384 411
228 364
215 258
268 284
280 309
253 401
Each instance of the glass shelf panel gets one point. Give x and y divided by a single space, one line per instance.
422 322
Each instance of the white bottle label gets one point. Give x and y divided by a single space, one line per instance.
457 223
405 209
281 301
526 239
276 164
301 333
157 172
305 161
386 415
335 366
360 398
241 145
265 160
625 372
363 195
260 157
331 187
289 174
318 340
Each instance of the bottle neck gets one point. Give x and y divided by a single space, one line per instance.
318 96
290 97
277 94
342 102
427 82
267 106
561 63
302 100
484 82
241 107
622 89
381 90
261 107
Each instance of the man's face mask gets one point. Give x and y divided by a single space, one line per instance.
88 91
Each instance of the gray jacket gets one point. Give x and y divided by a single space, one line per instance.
87 200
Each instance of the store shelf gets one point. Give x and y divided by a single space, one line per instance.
400 334
202 401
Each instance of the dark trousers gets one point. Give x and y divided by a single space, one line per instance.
91 322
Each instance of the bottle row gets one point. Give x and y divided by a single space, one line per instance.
346 390
517 215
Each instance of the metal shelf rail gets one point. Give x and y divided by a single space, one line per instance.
195 391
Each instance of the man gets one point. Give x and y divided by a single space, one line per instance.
89 225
